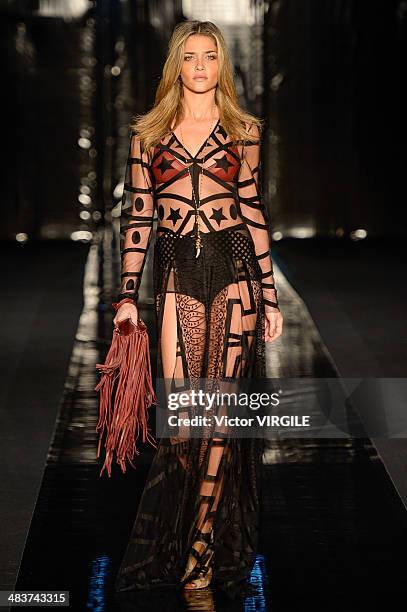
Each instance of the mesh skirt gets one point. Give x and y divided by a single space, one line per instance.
200 505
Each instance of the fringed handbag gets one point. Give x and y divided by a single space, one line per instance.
126 393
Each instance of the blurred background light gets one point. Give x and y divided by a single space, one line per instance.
118 190
239 12
68 9
21 237
84 199
358 234
82 235
302 232
84 143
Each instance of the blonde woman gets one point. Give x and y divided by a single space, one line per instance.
194 161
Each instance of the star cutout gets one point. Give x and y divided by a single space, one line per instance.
174 216
222 162
164 165
217 214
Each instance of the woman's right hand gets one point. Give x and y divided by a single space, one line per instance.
126 311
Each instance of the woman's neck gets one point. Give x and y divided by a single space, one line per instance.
199 106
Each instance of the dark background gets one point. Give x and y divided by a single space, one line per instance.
327 75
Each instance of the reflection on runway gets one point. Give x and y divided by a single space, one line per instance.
300 350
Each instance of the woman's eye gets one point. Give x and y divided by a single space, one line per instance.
188 58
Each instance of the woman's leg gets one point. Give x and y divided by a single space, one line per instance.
232 325
214 452
182 345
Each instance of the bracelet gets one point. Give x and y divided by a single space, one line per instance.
116 305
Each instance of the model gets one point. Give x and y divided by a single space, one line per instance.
194 160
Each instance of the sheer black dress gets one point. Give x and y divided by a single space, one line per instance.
202 495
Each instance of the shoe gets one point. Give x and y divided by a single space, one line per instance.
201 582
192 561
204 576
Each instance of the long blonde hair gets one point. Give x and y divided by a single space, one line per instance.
152 126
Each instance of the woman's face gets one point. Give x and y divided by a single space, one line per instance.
199 71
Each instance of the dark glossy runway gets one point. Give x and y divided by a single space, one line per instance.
333 528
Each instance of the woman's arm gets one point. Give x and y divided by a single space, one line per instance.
136 220
254 215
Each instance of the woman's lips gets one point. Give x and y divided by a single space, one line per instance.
200 78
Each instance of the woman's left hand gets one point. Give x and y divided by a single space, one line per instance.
273 326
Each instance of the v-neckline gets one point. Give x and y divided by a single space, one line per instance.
202 145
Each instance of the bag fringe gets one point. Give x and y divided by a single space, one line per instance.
127 363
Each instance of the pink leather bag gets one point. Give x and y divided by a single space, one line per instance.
126 393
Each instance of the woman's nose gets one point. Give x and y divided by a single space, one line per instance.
199 64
